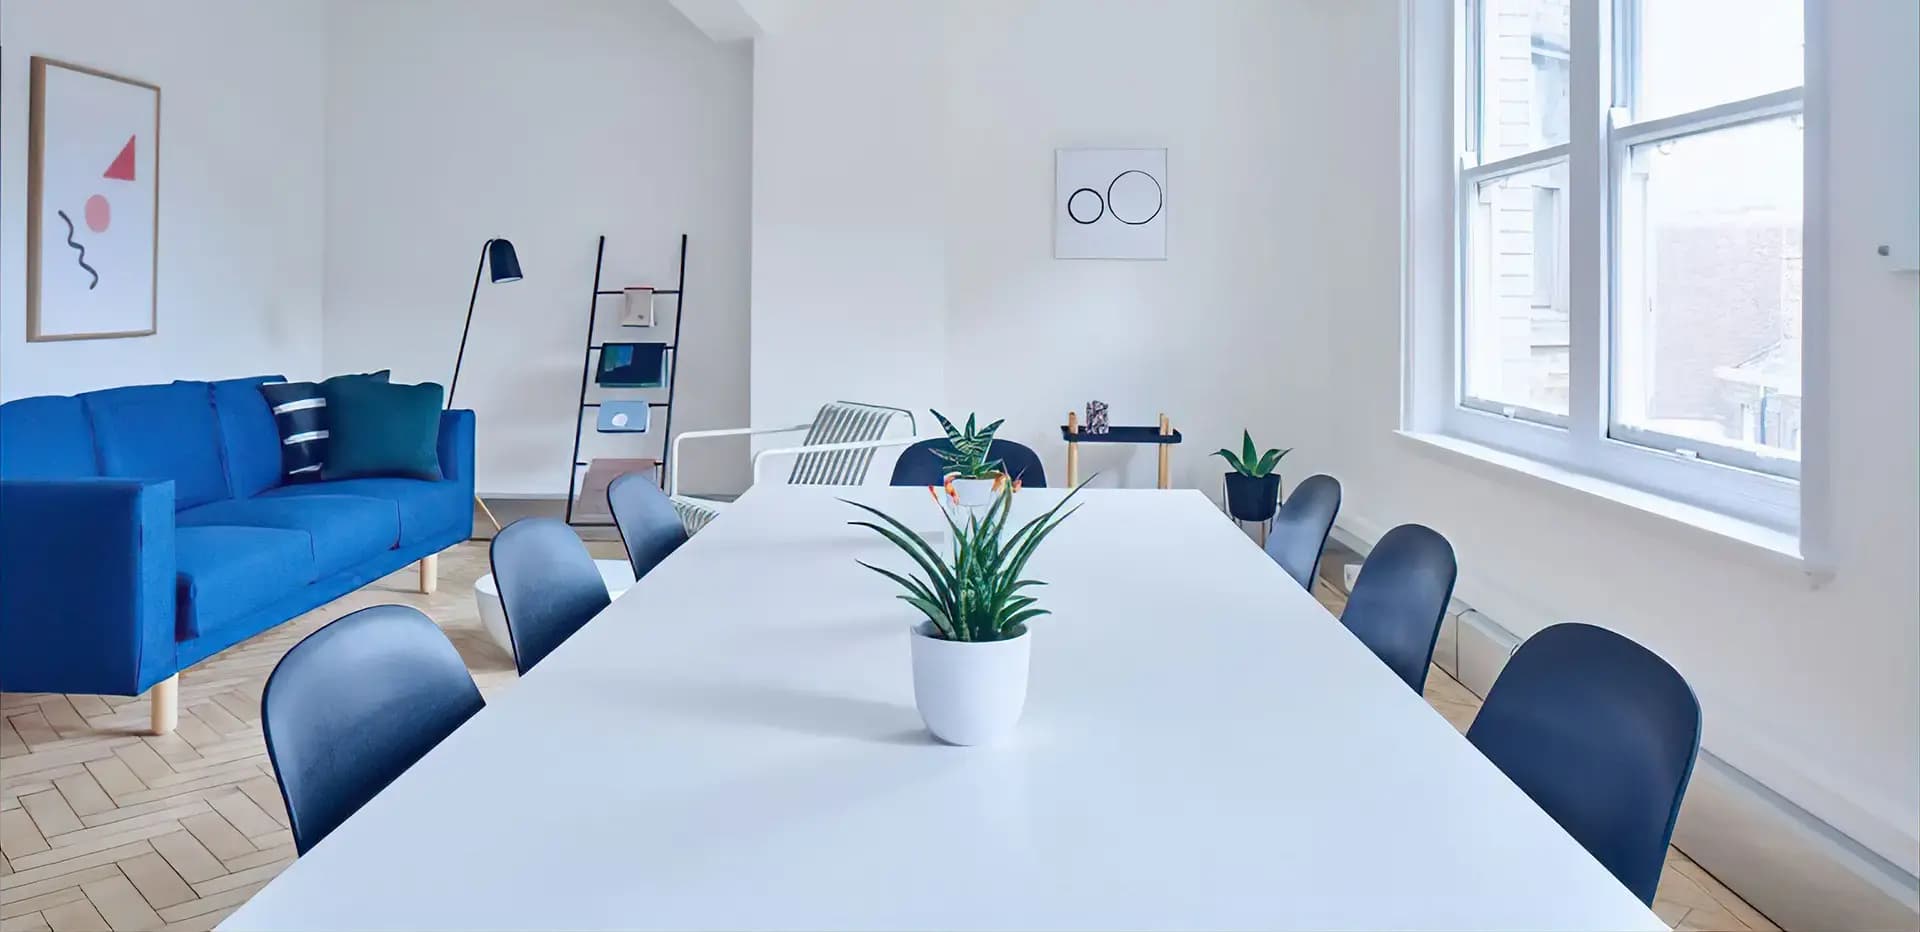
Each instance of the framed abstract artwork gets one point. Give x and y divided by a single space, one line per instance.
1110 204
93 204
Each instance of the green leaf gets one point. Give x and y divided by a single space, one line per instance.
916 547
934 614
1248 455
1024 617
910 583
1232 460
1267 462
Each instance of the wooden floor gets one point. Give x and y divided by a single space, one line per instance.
102 826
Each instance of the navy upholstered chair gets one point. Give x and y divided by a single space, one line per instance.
548 586
353 705
1601 734
1301 526
918 465
1402 593
649 526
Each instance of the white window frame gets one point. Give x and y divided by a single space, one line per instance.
1440 173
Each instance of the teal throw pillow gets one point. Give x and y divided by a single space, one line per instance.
382 429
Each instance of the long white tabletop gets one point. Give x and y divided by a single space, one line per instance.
733 745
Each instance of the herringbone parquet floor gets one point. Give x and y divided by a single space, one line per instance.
105 827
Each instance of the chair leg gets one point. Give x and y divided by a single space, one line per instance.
164 698
429 573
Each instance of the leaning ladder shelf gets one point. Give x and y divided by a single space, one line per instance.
678 291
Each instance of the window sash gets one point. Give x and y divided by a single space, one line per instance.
1622 138
1471 179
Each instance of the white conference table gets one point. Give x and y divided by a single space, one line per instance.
733 745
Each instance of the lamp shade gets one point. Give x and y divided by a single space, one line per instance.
503 260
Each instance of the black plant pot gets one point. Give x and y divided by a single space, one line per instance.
1250 499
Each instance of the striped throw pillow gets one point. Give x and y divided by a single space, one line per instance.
300 415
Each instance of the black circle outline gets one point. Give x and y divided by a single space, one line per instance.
1157 207
1096 217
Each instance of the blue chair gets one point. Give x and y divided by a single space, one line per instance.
1601 734
1400 597
650 528
1300 529
918 465
548 586
353 705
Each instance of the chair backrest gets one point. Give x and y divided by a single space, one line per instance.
1301 526
1402 593
842 422
548 586
355 704
650 527
918 465
1601 734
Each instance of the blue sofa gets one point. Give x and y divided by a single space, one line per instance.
144 529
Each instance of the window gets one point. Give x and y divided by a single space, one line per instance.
1627 243
1707 205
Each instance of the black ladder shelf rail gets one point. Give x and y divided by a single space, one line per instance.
586 367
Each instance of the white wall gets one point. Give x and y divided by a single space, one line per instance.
1811 690
903 169
455 120
848 209
242 86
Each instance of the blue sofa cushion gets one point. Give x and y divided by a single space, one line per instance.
222 573
425 509
249 441
160 432
342 530
46 438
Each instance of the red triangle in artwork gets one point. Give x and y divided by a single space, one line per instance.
122 167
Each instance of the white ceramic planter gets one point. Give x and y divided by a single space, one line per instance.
969 693
973 493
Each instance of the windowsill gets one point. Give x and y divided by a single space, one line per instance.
1739 539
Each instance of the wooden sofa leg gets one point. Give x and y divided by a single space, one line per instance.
429 573
165 700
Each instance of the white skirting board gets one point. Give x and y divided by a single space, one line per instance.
1786 862
1801 872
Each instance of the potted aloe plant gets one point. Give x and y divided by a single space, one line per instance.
1253 488
970 651
972 475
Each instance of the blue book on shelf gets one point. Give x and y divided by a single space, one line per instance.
633 365
624 417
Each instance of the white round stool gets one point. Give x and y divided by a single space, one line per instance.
617 574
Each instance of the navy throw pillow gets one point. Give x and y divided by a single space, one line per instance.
300 415
382 429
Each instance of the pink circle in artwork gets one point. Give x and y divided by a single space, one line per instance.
98 214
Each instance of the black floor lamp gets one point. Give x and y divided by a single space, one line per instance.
506 268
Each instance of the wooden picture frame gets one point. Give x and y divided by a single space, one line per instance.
88 121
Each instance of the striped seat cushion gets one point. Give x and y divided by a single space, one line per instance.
300 415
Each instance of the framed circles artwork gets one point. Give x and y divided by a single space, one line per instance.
1110 204
93 204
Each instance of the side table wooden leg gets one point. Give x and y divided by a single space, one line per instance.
1073 449
1166 454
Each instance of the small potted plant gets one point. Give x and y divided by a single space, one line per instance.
970 652
1253 488
972 475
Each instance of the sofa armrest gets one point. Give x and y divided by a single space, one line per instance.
456 445
88 599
